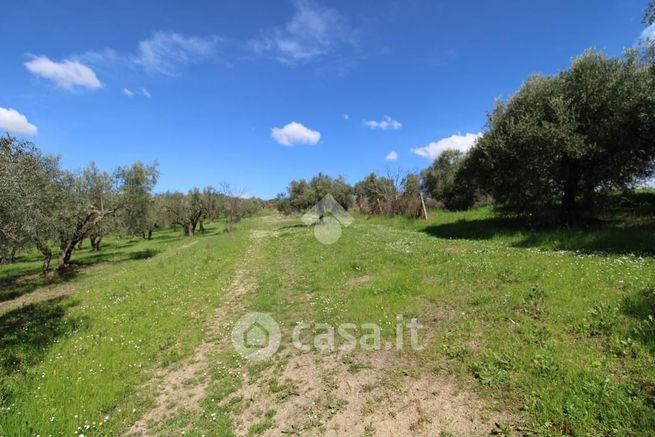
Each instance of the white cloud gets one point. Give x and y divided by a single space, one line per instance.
392 156
648 33
66 74
165 52
386 123
146 93
127 92
345 117
295 133
313 31
459 142
14 122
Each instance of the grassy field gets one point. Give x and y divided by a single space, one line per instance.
552 331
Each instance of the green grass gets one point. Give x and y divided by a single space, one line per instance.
555 324
73 365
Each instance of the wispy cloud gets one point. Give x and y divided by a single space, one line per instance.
459 142
67 74
14 122
140 92
163 53
166 52
387 123
295 133
313 31
345 117
392 156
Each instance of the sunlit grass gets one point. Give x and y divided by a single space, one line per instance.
73 366
553 323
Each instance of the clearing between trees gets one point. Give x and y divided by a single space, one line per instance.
524 331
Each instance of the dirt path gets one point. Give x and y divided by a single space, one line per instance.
365 394
379 393
183 387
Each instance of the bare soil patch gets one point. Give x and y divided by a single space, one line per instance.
377 393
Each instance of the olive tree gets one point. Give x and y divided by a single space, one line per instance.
29 196
303 195
560 139
441 183
183 210
376 194
87 199
411 203
138 215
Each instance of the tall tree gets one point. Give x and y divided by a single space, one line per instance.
411 197
138 214
303 195
29 196
183 210
439 178
88 199
562 138
376 194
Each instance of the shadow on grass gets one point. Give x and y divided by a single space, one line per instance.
114 256
641 307
597 238
26 282
27 333
15 286
298 225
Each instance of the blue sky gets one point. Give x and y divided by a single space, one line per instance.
257 93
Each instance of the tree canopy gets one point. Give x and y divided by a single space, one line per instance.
564 137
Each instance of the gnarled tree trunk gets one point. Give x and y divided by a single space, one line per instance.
47 255
65 252
95 243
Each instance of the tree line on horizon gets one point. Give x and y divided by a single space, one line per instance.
46 207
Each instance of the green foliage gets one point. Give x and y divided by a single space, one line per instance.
562 138
29 193
303 195
410 204
394 194
191 210
443 181
376 194
138 215
649 13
